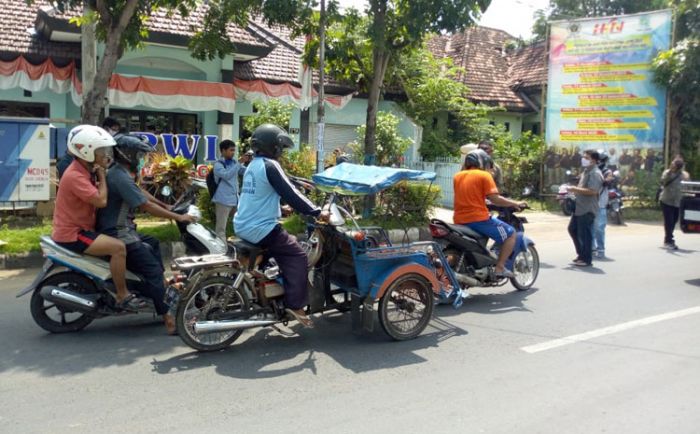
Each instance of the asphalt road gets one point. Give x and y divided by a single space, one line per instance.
630 362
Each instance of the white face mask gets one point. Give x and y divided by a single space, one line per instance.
585 162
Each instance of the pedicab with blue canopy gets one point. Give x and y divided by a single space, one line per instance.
361 263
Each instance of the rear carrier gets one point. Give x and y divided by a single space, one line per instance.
690 207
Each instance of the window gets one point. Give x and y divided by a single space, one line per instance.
156 122
507 125
24 109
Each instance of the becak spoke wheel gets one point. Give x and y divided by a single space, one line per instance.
406 307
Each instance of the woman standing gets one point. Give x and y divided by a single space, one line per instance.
670 198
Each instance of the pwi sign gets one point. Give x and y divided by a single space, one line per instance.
184 144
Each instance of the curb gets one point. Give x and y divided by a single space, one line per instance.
36 259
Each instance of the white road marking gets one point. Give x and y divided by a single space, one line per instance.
556 343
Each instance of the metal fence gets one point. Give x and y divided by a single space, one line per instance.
445 168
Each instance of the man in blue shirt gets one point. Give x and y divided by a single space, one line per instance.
257 218
226 173
117 220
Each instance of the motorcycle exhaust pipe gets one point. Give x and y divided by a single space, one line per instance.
465 280
69 299
203 327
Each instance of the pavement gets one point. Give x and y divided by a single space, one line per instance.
613 348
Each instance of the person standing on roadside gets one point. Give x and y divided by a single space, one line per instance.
581 226
226 173
670 198
601 220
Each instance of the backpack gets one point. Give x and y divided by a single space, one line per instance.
212 185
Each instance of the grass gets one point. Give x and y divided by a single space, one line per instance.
21 238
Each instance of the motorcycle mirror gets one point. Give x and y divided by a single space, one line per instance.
527 191
166 191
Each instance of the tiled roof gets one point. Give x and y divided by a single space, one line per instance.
282 64
527 67
488 70
17 20
16 17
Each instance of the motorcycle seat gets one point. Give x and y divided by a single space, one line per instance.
466 230
247 249
52 244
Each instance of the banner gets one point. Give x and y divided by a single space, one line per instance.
600 93
24 160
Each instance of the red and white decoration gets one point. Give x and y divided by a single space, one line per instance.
19 73
127 91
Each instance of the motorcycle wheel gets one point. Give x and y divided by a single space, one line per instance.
56 319
566 207
615 216
526 267
406 307
200 303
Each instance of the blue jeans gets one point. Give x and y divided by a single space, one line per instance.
601 221
581 231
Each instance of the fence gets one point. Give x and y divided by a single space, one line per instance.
445 168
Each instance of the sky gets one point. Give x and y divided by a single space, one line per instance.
513 16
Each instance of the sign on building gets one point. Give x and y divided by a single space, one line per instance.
24 159
600 93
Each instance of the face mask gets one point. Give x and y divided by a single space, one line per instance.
585 162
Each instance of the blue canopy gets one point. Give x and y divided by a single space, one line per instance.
354 179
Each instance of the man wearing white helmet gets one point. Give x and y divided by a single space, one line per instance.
76 202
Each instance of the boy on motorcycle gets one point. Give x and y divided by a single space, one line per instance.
78 197
256 220
116 219
472 186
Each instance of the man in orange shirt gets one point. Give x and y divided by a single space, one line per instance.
472 186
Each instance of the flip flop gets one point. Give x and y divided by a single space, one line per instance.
303 320
131 302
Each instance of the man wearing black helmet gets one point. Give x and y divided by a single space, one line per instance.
257 218
472 186
117 220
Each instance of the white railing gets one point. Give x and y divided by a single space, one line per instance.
445 169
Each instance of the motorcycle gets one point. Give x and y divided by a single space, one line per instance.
198 239
566 199
615 196
474 262
71 289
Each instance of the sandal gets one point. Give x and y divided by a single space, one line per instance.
303 319
131 302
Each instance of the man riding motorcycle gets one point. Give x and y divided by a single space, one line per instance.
257 218
116 219
472 186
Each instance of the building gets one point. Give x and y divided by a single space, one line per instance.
163 89
498 73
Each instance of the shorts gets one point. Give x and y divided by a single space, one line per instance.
493 228
85 239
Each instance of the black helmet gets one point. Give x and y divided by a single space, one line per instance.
130 150
270 140
478 158
603 158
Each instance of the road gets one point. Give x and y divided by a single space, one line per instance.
629 363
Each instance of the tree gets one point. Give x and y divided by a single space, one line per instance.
433 89
679 70
361 49
120 26
568 9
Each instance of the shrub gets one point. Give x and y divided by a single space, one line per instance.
408 202
301 163
520 159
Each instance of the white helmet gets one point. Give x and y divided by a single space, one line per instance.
83 140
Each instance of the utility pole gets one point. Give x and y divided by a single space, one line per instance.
88 57
321 112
